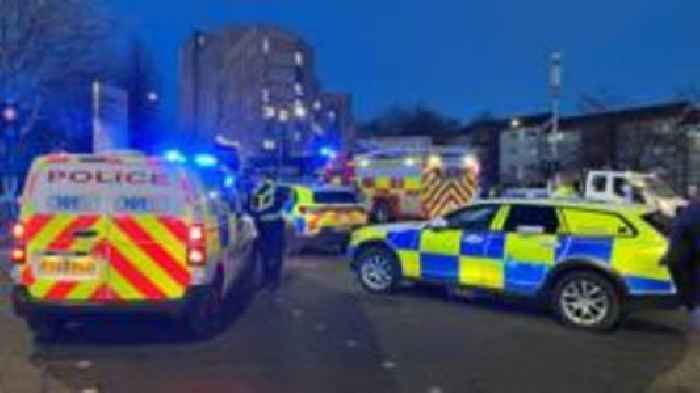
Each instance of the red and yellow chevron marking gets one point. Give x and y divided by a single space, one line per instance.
143 257
440 194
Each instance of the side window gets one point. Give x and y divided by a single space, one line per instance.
619 187
592 223
532 216
600 183
475 218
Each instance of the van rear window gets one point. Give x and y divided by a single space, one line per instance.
73 203
142 204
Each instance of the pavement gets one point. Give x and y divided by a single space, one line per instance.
324 334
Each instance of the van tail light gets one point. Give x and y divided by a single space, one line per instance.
18 254
197 245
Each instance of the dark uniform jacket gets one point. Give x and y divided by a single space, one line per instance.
683 256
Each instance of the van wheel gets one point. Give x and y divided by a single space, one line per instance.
378 270
381 213
586 300
205 317
44 329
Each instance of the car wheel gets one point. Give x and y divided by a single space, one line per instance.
44 329
381 214
587 300
378 270
205 318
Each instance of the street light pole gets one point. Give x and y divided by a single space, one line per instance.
555 88
199 41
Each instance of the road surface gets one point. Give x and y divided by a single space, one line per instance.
324 334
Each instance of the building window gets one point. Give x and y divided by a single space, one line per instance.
297 136
265 95
317 105
268 144
266 45
298 89
299 109
268 111
299 58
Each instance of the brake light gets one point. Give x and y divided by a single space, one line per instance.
18 231
197 245
18 254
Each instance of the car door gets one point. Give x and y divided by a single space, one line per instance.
455 253
531 244
478 266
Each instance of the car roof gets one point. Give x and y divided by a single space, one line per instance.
577 203
319 188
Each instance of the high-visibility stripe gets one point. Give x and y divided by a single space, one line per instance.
83 290
60 290
35 224
64 240
28 275
172 244
158 255
176 226
139 260
48 233
133 275
122 287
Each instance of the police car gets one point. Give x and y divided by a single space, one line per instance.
124 233
321 215
591 263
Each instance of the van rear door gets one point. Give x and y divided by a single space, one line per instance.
114 231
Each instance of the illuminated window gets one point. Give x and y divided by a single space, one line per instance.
283 115
298 89
299 109
299 58
266 45
265 95
317 105
268 111
268 144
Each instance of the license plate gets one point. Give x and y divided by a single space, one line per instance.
68 267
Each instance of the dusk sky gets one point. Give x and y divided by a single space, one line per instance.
460 57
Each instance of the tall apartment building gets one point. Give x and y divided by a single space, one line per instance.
256 86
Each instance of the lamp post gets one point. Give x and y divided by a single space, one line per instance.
555 88
10 116
200 40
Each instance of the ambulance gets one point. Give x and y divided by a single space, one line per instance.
125 233
416 184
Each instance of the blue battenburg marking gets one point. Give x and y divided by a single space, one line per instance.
439 267
299 225
598 248
467 248
405 240
639 285
524 278
496 246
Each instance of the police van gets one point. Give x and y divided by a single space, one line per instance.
124 233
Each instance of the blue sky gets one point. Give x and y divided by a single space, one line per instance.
461 57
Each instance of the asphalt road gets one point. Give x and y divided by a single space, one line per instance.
324 334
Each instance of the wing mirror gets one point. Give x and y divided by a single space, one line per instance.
530 230
437 223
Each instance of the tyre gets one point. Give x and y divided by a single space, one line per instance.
378 270
44 329
381 213
587 300
205 316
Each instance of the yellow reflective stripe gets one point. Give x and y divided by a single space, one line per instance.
40 288
175 247
123 288
410 263
143 263
84 290
49 232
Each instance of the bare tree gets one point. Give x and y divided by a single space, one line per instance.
47 46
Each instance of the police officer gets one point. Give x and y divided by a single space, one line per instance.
683 260
266 206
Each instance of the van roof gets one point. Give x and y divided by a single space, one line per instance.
110 157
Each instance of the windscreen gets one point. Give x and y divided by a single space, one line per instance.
105 188
334 197
653 185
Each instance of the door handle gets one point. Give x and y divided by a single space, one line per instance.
86 233
473 239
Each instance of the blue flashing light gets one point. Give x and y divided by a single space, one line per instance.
328 152
205 160
229 181
175 156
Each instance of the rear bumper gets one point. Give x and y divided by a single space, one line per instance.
26 307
